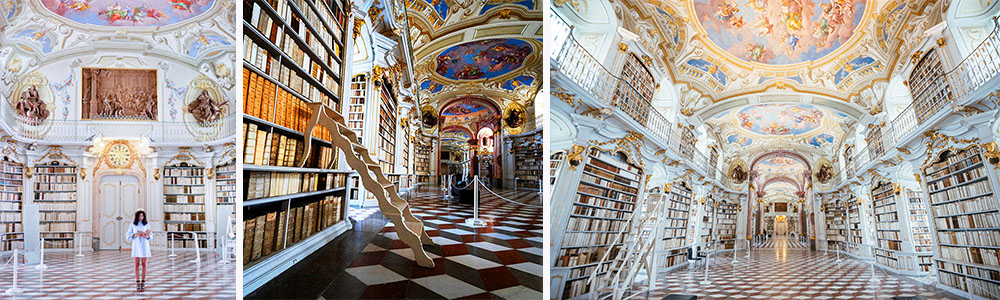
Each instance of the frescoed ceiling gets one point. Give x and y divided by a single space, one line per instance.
488 49
128 13
771 124
780 166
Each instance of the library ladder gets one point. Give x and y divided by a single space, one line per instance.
409 228
639 241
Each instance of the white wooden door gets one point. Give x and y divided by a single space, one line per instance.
119 199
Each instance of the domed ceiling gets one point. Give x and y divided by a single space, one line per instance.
483 59
128 13
779 31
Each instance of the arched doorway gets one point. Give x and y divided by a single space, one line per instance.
478 119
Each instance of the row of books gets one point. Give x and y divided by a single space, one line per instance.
885 209
576 239
981 256
958 179
590 224
299 54
335 21
609 184
173 216
673 258
11 227
604 203
894 235
44 182
184 189
167 207
674 223
620 168
275 149
57 226
569 257
890 244
888 217
585 189
56 196
672 243
974 205
58 216
949 165
990 238
8 245
10 205
182 243
626 178
10 217
183 180
269 103
975 189
274 231
183 199
589 211
286 77
52 169
10 167
271 184
677 204
169 172
194 227
10 185
987 220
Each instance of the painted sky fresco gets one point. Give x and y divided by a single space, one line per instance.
781 166
779 32
482 59
780 119
128 13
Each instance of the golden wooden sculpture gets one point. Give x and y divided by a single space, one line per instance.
409 228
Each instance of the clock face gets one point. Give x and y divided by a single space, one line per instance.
119 155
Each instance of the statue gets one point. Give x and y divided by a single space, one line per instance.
738 175
31 106
429 119
825 173
206 110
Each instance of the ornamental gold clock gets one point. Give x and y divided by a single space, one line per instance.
119 156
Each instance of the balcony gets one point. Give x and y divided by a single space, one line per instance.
84 130
571 61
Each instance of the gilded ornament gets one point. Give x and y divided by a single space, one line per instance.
992 153
156 173
575 156
916 56
622 47
941 42
358 23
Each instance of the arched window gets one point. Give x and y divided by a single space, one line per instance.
928 87
635 90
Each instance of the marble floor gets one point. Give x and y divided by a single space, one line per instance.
109 275
787 271
500 261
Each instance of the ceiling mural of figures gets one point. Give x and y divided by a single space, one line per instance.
779 31
128 13
483 59
780 119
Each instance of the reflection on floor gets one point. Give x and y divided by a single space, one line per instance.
780 242
109 275
781 274
502 260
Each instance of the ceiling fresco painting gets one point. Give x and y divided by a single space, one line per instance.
483 59
821 140
430 85
517 82
780 166
144 13
39 38
779 32
780 119
740 140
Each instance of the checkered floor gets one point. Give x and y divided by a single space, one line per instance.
782 242
781 274
501 260
109 275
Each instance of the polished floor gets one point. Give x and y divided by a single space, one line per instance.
786 270
500 261
109 275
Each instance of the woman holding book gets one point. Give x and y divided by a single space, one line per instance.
138 234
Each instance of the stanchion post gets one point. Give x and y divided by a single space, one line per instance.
475 221
79 245
838 253
14 290
173 248
197 249
41 262
872 261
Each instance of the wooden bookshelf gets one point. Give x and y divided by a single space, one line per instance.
964 208
527 152
422 158
11 204
836 224
855 229
673 246
726 224
889 236
923 241
928 87
184 205
225 184
55 193
707 224
605 200
356 105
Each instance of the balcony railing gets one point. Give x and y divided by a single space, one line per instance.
578 65
81 130
975 70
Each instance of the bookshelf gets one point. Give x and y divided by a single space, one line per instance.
55 193
527 151
422 158
11 204
673 247
930 92
387 130
726 224
184 205
836 224
225 184
707 221
889 237
555 161
855 230
605 200
355 116
964 207
920 228
874 140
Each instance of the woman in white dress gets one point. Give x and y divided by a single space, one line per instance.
138 234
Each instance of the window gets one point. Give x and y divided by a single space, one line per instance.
929 89
356 107
635 90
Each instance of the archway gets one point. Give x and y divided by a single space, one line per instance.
473 116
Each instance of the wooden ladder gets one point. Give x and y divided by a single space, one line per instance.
409 228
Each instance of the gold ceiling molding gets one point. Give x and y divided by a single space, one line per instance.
184 155
630 145
561 94
512 13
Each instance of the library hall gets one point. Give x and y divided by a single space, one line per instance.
118 149
766 149
392 149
